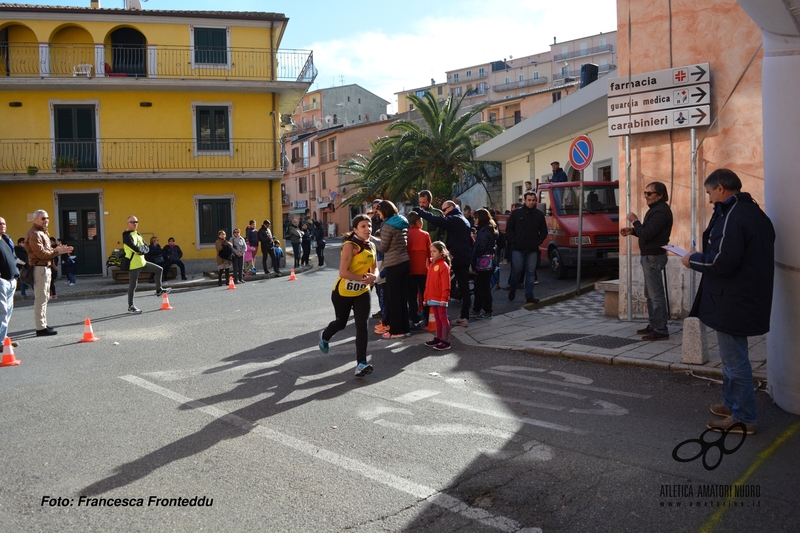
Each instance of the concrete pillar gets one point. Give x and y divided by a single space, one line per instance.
781 76
694 350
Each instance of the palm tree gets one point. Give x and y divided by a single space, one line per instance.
434 155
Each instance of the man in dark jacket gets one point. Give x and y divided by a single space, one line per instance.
526 229
459 244
735 293
251 236
559 175
653 233
267 248
9 276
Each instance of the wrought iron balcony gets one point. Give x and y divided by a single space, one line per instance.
34 60
541 80
584 52
576 74
138 155
311 107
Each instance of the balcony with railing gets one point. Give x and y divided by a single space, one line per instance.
138 155
584 52
311 107
472 93
541 80
506 122
34 60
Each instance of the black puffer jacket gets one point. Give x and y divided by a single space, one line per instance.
526 230
485 242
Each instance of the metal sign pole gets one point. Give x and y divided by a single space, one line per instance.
693 142
580 236
628 255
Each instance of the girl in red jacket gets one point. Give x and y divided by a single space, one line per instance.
437 294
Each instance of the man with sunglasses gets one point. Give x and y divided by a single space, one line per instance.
135 249
653 233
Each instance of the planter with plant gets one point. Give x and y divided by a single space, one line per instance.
66 163
32 170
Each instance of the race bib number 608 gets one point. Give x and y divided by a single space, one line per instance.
355 286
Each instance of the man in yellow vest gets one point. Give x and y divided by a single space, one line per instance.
135 248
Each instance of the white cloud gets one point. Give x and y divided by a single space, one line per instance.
387 63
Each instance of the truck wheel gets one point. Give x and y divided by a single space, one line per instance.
557 265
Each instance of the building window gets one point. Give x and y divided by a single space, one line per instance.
439 90
302 184
420 94
458 91
213 130
455 77
522 77
492 117
556 96
508 80
536 75
312 146
469 73
213 215
480 72
359 100
322 184
603 41
565 71
211 46
323 151
332 153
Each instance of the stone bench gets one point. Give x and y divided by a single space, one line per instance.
121 276
611 289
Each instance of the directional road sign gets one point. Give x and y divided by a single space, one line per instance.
580 152
686 117
632 104
659 79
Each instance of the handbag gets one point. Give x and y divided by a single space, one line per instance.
26 275
485 263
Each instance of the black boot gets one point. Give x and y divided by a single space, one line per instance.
219 281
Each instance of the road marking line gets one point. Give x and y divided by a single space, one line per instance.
508 416
521 402
421 492
175 375
416 396
440 430
542 389
567 384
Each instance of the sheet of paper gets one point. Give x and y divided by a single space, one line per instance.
675 250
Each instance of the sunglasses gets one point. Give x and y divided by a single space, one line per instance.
649 193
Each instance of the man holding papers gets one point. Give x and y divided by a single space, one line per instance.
735 293
653 233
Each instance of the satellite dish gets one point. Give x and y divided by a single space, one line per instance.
329 119
133 5
318 124
383 116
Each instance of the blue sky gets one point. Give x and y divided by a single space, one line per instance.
388 47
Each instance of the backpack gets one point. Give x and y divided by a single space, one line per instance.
226 253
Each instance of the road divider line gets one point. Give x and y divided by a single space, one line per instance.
416 490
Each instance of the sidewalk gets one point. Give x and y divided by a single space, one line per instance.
578 329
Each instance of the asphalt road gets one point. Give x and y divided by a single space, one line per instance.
227 398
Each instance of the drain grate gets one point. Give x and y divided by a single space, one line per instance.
597 341
560 337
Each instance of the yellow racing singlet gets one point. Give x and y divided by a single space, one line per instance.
360 264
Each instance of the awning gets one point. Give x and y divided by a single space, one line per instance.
323 205
298 211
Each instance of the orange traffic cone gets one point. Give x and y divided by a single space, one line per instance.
8 354
165 304
292 277
88 334
431 321
231 285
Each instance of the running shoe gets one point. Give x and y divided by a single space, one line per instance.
380 329
134 310
389 335
444 345
363 369
484 315
433 342
323 344
163 290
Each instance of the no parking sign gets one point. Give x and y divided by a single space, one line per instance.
581 152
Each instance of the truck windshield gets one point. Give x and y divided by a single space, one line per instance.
596 199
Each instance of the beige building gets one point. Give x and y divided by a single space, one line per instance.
312 185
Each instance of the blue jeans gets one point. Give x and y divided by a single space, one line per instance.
652 267
737 378
523 261
7 289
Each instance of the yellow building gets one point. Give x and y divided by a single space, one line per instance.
174 116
